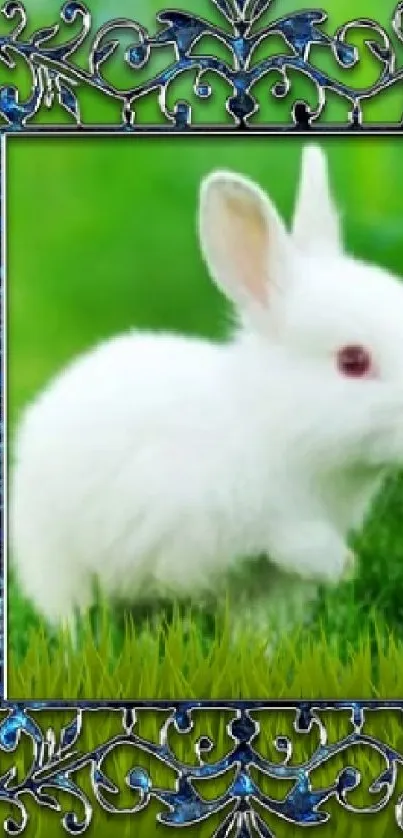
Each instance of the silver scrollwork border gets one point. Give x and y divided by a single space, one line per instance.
57 757
248 24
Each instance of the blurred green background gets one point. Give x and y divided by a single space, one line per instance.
101 237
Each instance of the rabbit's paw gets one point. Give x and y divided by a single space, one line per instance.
313 550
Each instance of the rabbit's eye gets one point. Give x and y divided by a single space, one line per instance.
354 361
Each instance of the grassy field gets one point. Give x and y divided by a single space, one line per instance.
84 216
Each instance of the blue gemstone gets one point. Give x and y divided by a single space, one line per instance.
279 89
243 729
139 779
137 55
203 90
243 786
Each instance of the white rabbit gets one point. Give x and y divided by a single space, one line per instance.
158 459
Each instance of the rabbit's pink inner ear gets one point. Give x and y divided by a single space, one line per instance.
247 238
234 233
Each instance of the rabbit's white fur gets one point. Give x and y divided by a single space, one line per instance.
163 459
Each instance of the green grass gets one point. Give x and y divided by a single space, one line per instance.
191 654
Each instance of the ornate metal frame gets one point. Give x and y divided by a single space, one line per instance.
55 75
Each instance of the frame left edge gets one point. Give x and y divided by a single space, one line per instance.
3 420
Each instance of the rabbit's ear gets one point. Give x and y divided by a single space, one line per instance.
316 225
244 242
